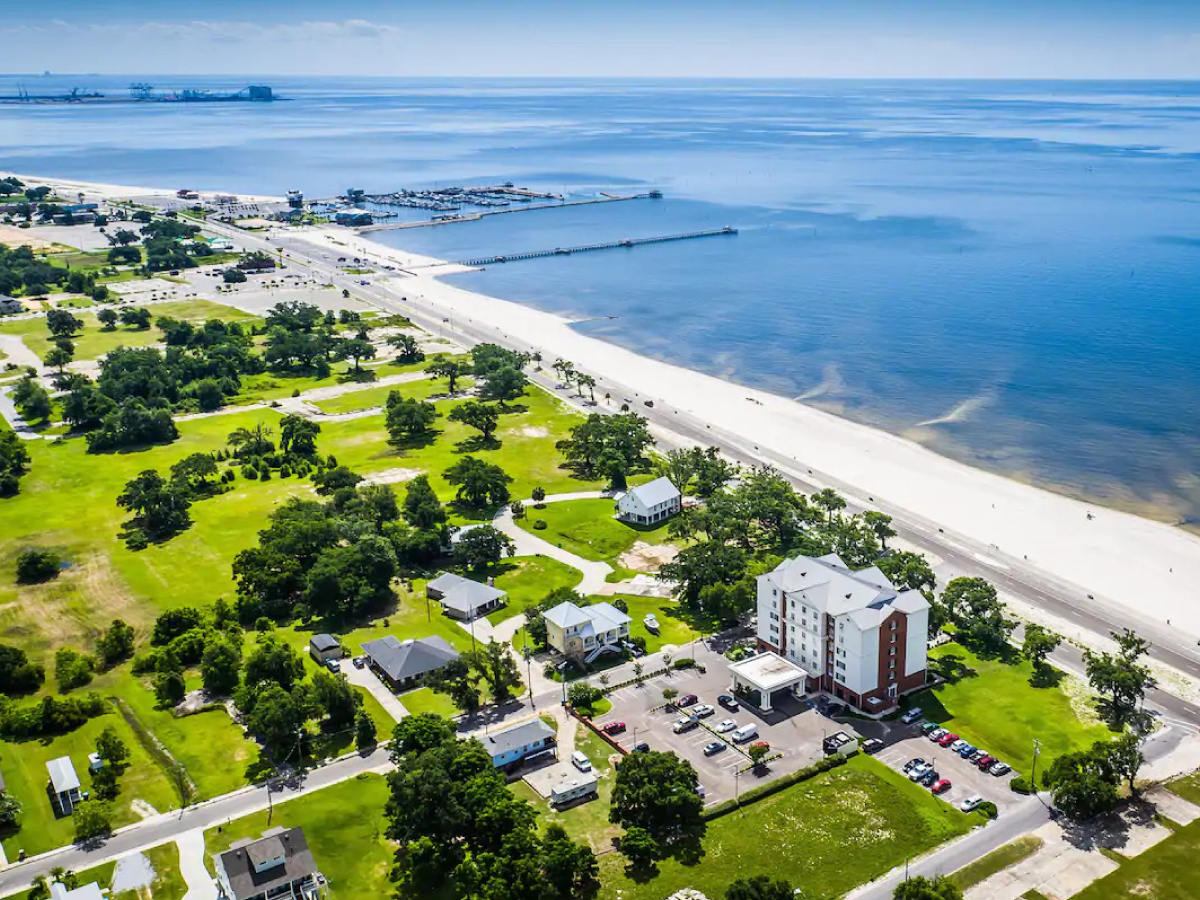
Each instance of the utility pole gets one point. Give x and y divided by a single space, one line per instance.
1037 749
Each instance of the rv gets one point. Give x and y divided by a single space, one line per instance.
574 789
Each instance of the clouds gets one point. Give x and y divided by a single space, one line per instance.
223 31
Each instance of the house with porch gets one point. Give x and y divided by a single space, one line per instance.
523 741
464 599
586 631
64 786
278 865
649 503
403 664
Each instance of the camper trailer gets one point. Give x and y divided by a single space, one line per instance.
572 790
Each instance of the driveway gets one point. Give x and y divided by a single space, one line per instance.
366 679
594 573
200 885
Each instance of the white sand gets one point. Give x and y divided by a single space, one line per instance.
1147 566
93 191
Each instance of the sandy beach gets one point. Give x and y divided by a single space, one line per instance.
94 191
1146 566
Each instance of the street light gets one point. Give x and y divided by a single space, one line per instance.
1037 749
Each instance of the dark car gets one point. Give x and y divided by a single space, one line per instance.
929 726
834 709
641 747
985 762
729 702
686 700
930 777
714 747
872 745
912 764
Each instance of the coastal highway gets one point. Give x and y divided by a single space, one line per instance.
959 553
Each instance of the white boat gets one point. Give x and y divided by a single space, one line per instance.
650 622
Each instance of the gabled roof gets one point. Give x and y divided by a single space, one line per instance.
566 615
238 863
62 775
470 596
410 658
601 616
605 616
501 742
827 584
321 642
660 490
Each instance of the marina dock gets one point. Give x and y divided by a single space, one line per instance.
587 248
449 217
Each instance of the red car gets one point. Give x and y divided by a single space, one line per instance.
686 700
613 727
986 762
947 739
766 745
941 787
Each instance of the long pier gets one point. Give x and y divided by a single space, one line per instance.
528 207
587 248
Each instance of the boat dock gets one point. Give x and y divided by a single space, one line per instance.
449 217
587 248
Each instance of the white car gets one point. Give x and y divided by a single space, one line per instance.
970 803
703 711
1000 768
725 725
911 716
918 772
958 745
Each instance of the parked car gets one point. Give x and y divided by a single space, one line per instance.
613 727
580 761
912 764
965 752
911 716
714 747
970 803
745 733
333 665
359 661
947 739
918 772
977 754
1000 768
937 734
986 762
730 702
703 711
687 723
766 745
872 745
641 747
930 778
929 727
834 709
940 787
725 725
686 700
956 746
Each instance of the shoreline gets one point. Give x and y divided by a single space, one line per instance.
95 189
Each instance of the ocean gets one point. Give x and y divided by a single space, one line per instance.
1006 272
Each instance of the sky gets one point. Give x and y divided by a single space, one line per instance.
609 38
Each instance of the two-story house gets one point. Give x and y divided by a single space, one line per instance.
277 865
646 504
586 631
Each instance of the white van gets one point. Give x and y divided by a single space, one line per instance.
581 762
745 733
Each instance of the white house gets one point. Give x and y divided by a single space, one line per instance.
586 631
649 503
854 634
64 785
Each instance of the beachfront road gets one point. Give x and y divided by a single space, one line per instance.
959 554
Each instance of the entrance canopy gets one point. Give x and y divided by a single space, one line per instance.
766 673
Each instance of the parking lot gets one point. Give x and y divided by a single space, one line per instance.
964 775
790 729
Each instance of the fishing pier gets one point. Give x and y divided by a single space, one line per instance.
588 248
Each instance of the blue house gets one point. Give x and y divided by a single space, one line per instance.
518 743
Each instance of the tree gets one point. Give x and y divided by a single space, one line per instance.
910 571
10 812
503 385
419 733
569 869
1121 679
702 565
639 847
348 580
657 792
364 731
407 349
336 699
57 358
105 783
1124 758
450 369
174 622
922 888
422 509
72 669
159 509
111 748
32 400
124 255
1083 784
407 418
972 605
36 564
298 436
169 688
189 476
220 666
459 683
116 644
233 276
482 547
497 667
881 525
1039 643
357 350
829 500
135 317
608 446
93 819
251 442
587 381
274 662
480 416
277 719
17 674
759 887
14 462
480 484
62 323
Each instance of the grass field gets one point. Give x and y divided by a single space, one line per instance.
425 700
24 766
1166 871
992 705
587 528
527 580
344 826
168 881
997 861
674 626
377 396
93 342
826 836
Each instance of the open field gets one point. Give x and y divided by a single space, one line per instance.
528 579
425 700
1166 871
92 341
377 396
992 705
588 529
344 825
825 835
997 861
675 627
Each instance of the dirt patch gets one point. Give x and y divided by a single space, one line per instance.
393 476
18 237
643 557
534 431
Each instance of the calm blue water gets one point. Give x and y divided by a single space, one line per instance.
1018 260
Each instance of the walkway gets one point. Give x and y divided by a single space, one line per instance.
369 681
527 544
191 865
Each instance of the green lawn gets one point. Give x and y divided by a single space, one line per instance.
528 579
93 342
377 396
24 767
587 528
675 626
997 861
168 881
424 700
1166 871
344 826
826 836
992 705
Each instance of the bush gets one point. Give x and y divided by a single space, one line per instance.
766 790
72 669
685 663
539 524
988 809
36 565
1021 785
51 715
583 696
670 693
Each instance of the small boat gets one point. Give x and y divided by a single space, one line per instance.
650 622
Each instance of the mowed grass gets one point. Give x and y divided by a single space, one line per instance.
344 825
26 777
992 704
168 883
93 341
675 627
587 528
1166 871
372 397
997 861
825 835
527 580
425 700
268 386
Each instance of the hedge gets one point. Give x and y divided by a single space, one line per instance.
685 662
1021 785
766 790
646 676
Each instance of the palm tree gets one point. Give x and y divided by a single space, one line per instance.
830 501
251 441
589 382
537 359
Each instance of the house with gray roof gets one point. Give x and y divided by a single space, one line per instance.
649 503
10 305
513 745
586 631
462 598
278 865
406 663
64 785
855 634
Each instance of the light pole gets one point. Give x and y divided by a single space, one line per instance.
1037 749
529 670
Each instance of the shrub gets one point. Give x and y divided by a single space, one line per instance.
36 565
72 669
670 693
583 696
539 524
988 809
771 787
685 663
1021 785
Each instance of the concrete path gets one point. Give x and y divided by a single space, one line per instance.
200 885
8 409
528 544
17 352
369 681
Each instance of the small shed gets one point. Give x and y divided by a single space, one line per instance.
324 647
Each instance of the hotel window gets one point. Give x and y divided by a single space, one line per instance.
893 639
840 664
892 664
774 617
893 626
775 629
